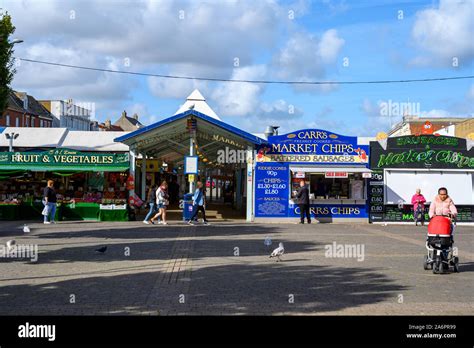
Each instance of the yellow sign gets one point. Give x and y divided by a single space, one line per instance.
152 165
190 177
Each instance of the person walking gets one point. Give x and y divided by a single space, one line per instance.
49 201
199 203
418 201
303 202
162 201
442 204
151 198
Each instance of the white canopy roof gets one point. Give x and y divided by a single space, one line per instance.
64 138
94 141
34 137
195 101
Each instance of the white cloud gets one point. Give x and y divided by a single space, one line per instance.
53 82
144 115
445 32
305 57
239 98
330 46
205 42
324 112
279 109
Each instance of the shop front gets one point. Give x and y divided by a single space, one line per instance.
403 164
89 185
334 167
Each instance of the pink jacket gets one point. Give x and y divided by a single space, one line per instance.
439 207
418 197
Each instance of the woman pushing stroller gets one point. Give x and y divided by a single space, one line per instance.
443 205
440 234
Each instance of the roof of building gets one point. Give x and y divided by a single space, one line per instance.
128 123
112 128
211 120
15 103
195 101
133 121
94 141
38 108
33 137
416 123
35 108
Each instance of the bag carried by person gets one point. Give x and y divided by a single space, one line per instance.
45 211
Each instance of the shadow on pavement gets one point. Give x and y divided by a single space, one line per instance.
228 289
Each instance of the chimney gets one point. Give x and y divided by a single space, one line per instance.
108 124
271 130
24 98
135 116
124 114
25 101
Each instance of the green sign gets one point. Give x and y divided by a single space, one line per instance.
64 160
423 151
410 141
446 157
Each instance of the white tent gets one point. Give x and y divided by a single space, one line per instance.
195 101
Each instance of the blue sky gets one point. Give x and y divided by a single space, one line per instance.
273 40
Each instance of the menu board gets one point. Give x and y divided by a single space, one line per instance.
405 214
271 189
465 213
375 196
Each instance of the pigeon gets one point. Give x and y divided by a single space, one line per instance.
278 252
26 229
10 244
101 250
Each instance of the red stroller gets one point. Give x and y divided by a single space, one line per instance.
439 245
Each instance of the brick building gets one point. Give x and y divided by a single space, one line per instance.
23 110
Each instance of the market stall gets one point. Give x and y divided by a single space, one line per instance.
334 167
89 185
428 162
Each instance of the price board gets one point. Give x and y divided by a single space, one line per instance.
272 182
376 196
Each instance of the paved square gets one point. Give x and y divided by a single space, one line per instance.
224 269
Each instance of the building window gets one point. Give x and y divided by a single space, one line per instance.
41 123
7 120
17 122
32 121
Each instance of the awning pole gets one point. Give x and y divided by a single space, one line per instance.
143 179
191 153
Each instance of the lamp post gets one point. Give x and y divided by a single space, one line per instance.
12 136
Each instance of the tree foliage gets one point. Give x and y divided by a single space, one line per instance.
7 68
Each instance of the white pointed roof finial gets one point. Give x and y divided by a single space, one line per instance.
195 101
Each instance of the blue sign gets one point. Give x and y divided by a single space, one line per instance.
314 146
190 165
271 189
334 211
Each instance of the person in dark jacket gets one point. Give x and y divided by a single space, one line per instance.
303 202
152 204
49 200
